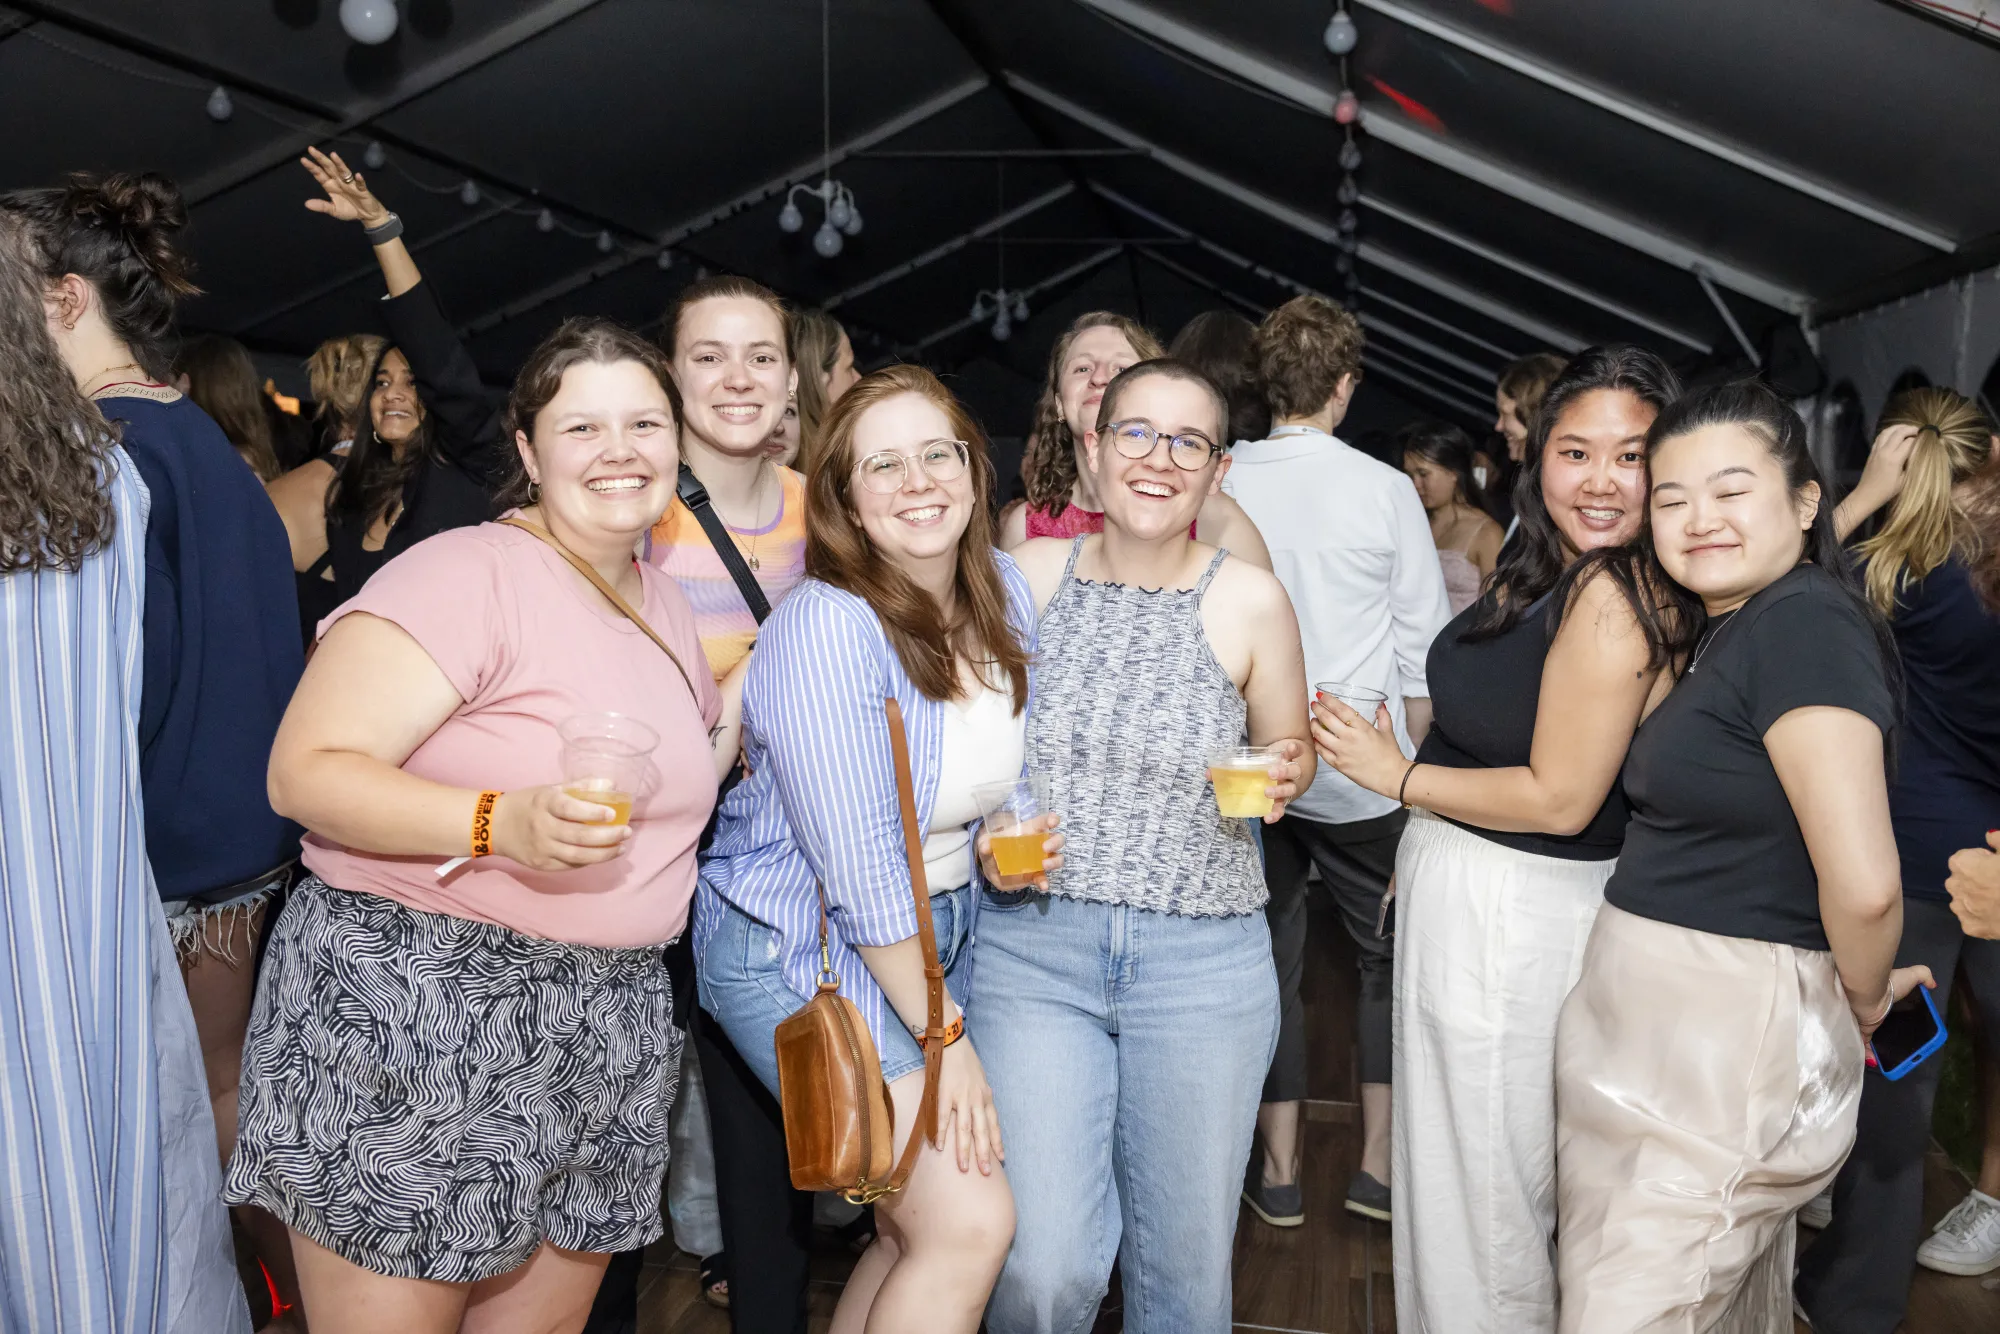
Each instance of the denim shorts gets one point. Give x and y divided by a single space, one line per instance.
743 987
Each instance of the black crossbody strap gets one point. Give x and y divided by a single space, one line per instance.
695 496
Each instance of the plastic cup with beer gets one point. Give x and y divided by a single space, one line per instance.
604 758
1240 775
1362 699
1011 810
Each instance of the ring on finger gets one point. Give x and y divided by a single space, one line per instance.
348 179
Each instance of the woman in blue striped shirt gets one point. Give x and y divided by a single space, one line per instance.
905 596
109 1217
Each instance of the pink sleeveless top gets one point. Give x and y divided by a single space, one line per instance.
1461 579
1072 521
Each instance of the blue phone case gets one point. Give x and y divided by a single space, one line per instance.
1916 1058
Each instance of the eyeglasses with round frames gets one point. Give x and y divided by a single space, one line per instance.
886 472
1137 440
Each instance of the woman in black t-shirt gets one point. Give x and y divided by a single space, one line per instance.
1709 1059
1502 868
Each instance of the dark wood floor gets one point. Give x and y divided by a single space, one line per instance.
1330 1276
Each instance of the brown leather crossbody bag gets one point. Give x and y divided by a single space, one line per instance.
839 1122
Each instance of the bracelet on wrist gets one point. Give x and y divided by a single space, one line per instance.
387 230
1403 788
482 824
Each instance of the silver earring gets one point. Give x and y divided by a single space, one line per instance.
534 492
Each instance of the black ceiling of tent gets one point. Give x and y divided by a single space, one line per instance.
1534 170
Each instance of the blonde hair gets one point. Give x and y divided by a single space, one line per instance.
341 372
1928 523
1050 466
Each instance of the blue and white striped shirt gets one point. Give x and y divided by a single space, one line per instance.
110 1217
820 805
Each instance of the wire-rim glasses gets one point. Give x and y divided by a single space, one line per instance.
1190 452
888 471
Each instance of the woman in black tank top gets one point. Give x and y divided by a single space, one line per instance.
1536 690
428 452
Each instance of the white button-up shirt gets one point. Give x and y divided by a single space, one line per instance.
1351 544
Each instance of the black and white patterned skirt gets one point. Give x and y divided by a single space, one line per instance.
431 1097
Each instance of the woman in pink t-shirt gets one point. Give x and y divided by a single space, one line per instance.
457 1073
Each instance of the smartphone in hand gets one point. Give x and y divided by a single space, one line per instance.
1913 1030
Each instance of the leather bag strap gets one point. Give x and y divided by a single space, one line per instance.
926 1129
695 496
610 595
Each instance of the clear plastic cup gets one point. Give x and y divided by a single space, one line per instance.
1008 809
604 759
1240 775
1364 700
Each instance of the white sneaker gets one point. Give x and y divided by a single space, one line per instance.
1818 1211
1967 1240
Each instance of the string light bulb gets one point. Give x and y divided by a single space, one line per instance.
545 221
220 105
665 259
827 240
369 22
1346 107
1340 33
1350 156
789 217
604 242
468 194
374 157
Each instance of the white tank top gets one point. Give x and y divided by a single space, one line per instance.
984 741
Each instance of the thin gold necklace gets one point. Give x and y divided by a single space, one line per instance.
751 555
96 388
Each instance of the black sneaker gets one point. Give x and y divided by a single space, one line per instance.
1368 1197
1280 1206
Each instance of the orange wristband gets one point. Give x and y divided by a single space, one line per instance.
482 824
953 1031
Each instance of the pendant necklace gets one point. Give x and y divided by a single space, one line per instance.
1715 630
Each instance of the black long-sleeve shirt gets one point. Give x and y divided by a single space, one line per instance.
454 488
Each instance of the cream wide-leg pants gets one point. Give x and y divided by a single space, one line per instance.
1488 943
1707 1088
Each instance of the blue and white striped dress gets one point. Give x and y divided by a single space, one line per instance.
110 1216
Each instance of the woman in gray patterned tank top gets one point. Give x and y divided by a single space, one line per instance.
1127 1014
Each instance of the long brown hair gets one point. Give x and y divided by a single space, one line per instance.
816 339
55 448
222 381
839 552
1050 467
1927 523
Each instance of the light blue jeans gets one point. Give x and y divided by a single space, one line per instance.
743 986
1127 1051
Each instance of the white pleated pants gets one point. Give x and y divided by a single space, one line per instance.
1488 943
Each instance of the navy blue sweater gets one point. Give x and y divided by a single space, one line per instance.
222 652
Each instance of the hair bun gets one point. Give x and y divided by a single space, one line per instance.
147 208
